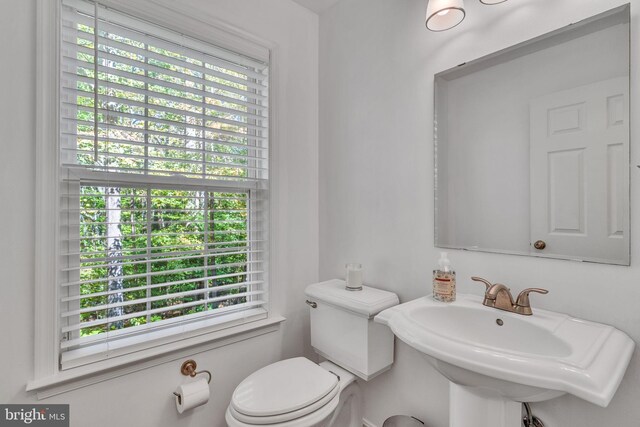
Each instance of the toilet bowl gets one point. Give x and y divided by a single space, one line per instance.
299 393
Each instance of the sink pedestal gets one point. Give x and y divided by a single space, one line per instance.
468 408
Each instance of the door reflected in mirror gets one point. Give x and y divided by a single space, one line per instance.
532 146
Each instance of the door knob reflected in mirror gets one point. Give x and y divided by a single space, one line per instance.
539 244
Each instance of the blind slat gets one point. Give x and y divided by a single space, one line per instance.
158 209
132 105
152 103
134 315
182 258
161 298
162 273
175 161
114 60
184 138
70 78
248 307
206 246
141 222
149 53
184 114
142 288
175 234
182 126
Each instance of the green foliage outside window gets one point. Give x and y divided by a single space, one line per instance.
168 242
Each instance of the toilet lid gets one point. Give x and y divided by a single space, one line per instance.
282 387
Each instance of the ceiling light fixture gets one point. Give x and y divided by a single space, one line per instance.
445 14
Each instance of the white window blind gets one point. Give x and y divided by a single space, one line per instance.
164 189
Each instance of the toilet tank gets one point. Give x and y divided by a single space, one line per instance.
342 327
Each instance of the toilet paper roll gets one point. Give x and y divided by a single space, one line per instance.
192 394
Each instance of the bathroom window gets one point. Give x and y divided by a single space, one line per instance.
163 185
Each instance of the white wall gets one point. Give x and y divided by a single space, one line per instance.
144 398
377 63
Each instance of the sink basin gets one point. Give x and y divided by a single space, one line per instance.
506 357
475 324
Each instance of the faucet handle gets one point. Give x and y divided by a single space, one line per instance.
485 281
522 302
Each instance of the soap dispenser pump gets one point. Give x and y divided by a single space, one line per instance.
444 280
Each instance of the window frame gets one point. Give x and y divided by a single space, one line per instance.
49 378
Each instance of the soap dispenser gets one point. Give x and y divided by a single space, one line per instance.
444 280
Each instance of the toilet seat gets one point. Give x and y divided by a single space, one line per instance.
284 391
326 404
312 419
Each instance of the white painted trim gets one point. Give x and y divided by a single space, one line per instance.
46 203
79 378
367 423
198 24
274 178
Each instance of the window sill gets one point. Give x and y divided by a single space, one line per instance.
86 375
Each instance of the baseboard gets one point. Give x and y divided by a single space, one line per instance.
367 423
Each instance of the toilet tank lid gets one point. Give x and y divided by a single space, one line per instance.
368 302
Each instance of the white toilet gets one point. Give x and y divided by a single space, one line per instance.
299 393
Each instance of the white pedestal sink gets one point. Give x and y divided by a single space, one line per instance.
496 359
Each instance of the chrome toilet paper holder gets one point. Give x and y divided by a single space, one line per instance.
189 369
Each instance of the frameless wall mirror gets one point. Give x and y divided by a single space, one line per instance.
532 146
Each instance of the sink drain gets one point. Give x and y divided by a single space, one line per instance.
499 322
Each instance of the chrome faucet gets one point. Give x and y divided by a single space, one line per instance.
499 296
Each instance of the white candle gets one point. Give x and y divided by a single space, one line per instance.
354 276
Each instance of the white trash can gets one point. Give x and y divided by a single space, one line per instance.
402 421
